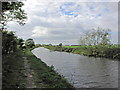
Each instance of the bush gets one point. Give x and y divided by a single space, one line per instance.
9 42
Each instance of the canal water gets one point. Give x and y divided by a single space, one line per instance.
81 71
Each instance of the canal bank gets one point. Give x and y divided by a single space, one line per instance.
22 69
44 75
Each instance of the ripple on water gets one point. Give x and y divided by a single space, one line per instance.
80 86
91 82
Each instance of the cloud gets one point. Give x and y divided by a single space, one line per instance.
39 31
65 21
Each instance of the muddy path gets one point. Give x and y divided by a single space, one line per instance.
28 73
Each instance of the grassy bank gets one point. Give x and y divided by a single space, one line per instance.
112 51
13 70
44 76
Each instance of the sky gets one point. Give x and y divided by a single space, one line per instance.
64 21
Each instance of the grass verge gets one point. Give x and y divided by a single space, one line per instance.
13 70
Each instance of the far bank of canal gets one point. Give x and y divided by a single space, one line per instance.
82 71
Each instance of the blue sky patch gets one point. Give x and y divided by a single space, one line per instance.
99 14
70 9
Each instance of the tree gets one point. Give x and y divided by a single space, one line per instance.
29 43
97 36
9 42
50 44
97 39
20 42
12 11
60 45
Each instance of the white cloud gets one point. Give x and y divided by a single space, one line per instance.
39 31
46 21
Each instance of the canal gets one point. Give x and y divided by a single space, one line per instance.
81 71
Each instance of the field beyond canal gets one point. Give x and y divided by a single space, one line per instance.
111 51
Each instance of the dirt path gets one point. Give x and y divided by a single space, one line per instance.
28 73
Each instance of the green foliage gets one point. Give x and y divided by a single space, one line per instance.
50 44
97 36
109 51
37 45
60 44
20 42
72 46
29 43
86 46
12 11
96 39
13 70
9 42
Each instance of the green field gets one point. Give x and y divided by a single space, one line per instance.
83 46
72 46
